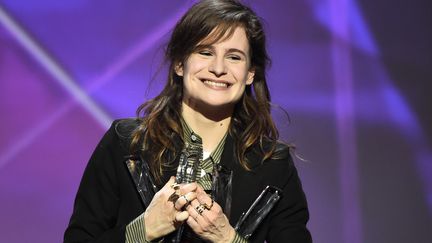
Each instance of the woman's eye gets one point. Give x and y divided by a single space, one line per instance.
205 53
234 57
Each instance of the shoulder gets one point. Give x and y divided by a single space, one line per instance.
118 136
112 150
281 159
280 153
124 128
276 170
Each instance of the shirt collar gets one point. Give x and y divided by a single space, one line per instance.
189 136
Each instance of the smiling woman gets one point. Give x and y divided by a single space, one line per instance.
211 128
216 75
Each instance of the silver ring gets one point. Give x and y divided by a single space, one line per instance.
185 198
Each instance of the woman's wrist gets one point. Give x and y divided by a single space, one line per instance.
230 236
149 235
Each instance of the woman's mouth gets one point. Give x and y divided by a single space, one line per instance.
216 84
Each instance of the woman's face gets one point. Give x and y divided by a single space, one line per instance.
217 74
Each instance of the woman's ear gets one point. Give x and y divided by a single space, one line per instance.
250 76
178 68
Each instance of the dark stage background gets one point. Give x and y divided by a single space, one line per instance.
354 76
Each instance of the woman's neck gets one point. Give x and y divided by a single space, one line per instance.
211 130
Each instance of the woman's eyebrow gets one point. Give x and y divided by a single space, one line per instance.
205 46
236 50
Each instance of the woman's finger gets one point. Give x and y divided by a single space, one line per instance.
196 210
195 220
185 188
194 225
205 200
182 216
184 200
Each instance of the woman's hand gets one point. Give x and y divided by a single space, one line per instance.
163 215
207 219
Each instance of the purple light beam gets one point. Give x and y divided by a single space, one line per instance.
346 134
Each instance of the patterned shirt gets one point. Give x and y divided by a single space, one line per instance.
205 167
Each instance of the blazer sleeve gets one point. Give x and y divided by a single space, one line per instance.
288 220
94 217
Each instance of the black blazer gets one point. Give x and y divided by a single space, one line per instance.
107 199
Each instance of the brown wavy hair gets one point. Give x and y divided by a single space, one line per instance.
159 136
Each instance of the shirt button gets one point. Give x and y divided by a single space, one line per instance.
193 138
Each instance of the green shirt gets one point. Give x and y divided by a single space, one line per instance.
205 168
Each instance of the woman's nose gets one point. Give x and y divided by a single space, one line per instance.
217 67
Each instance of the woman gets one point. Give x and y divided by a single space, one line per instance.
210 124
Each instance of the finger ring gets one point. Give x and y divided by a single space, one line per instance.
175 186
173 198
185 198
200 209
208 207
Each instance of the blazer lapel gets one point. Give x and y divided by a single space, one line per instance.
142 178
246 185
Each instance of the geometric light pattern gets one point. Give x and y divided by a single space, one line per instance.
67 68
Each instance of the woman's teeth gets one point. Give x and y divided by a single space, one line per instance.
217 84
